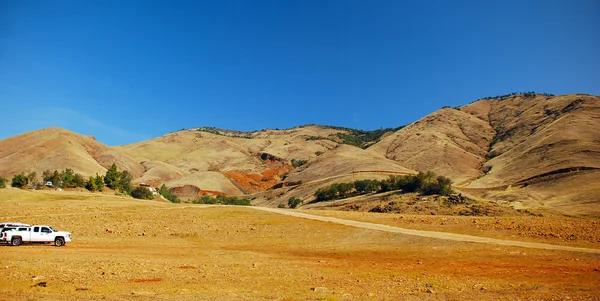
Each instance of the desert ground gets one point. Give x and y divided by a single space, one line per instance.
126 249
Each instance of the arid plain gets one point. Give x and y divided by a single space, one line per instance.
126 249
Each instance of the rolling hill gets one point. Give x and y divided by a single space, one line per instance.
528 150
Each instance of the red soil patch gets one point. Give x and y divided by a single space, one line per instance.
258 182
210 192
187 267
149 280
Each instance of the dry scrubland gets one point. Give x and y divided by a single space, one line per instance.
126 249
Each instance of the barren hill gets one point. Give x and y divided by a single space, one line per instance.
57 149
236 163
517 148
529 150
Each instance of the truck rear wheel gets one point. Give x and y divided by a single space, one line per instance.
59 242
16 241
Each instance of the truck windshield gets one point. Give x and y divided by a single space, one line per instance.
52 229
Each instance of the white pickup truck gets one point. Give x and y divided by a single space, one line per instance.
35 234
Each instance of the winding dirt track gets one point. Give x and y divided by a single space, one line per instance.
370 226
430 234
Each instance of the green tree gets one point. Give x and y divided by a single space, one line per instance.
345 189
91 184
32 176
112 177
46 176
142 193
124 183
167 194
78 180
293 202
99 181
67 177
19 181
3 182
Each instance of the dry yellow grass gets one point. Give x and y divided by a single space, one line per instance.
128 249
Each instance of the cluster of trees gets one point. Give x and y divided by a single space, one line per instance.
359 138
221 199
425 183
530 94
364 139
113 179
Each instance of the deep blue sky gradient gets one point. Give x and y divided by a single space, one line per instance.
126 71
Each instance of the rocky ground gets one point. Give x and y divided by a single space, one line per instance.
125 249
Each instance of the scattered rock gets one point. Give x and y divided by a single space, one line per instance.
319 289
82 289
41 283
430 291
142 293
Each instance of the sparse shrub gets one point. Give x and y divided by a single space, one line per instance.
298 163
3 182
293 202
281 206
318 153
142 193
19 181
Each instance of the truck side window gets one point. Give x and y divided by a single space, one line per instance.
36 229
45 230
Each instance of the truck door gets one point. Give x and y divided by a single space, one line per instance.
36 234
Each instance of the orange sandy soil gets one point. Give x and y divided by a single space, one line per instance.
559 230
258 182
125 249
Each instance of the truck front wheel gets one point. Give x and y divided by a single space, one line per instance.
16 241
59 242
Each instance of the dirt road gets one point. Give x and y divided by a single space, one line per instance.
430 234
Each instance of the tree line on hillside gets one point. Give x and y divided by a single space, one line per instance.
222 200
359 138
119 181
530 94
425 183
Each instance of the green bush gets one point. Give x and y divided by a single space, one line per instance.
19 181
3 182
142 193
293 202
167 194
298 163
222 200
425 183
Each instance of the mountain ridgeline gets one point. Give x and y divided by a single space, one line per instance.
528 150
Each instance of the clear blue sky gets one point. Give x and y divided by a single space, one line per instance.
126 71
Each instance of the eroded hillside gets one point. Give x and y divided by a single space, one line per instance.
526 150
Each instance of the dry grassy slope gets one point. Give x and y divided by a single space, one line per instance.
449 142
541 135
57 149
343 160
185 157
